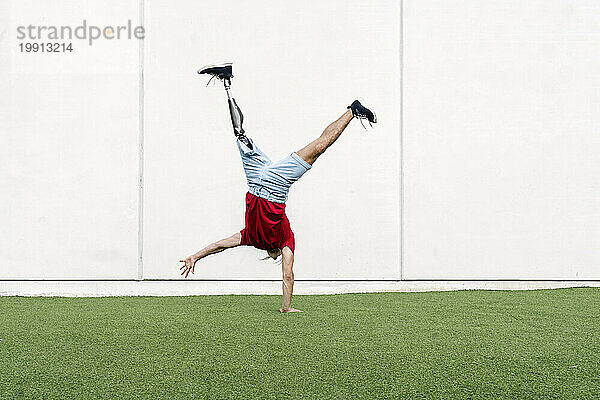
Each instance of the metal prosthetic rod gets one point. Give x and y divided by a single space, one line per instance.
237 118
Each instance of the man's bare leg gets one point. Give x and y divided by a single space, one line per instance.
314 149
216 247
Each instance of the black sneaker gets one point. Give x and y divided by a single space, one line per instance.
220 71
362 112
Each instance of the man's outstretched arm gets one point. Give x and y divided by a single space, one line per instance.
216 247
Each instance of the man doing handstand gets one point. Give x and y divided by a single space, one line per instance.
266 225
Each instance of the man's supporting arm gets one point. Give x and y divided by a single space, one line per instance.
288 280
216 247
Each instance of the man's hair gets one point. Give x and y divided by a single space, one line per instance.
277 260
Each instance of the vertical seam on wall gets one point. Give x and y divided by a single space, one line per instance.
140 265
401 139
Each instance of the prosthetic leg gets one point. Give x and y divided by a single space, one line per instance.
237 118
223 72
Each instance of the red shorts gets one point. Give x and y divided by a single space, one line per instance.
267 226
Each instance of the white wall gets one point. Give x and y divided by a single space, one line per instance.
68 149
501 139
500 123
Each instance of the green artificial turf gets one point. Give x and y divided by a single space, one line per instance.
468 344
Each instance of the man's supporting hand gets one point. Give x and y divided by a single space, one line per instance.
289 310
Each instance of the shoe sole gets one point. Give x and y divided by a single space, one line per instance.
223 64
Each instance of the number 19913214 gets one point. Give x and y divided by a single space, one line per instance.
46 47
